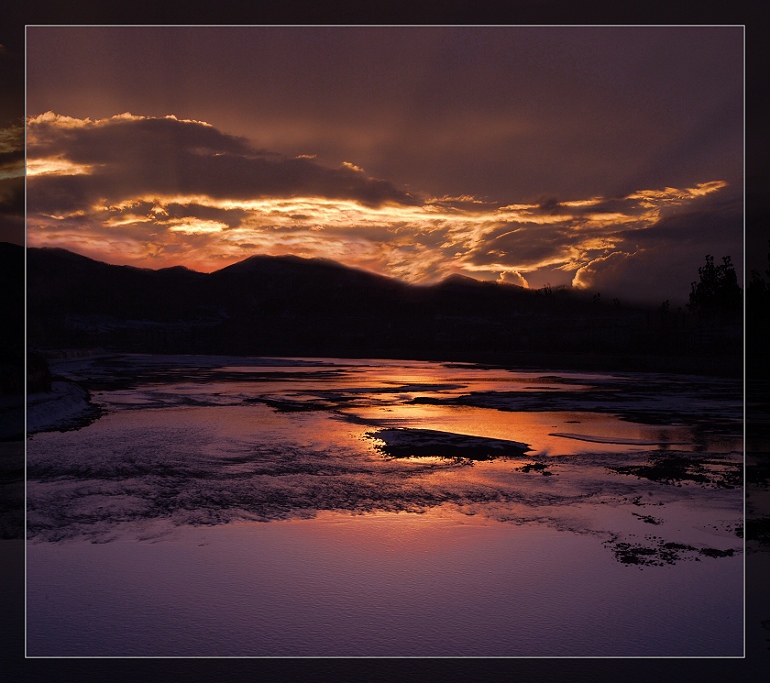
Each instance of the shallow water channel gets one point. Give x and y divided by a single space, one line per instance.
327 507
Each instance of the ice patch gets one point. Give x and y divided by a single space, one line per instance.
66 406
619 440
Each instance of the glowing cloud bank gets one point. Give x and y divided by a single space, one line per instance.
157 192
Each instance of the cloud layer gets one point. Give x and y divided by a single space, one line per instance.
161 191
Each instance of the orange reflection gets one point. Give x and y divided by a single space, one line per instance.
552 433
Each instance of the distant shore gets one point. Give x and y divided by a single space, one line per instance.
709 365
719 366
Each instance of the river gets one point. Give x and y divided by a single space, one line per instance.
223 506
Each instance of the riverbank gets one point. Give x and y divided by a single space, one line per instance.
66 406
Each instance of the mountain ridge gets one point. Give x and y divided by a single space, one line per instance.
291 306
284 260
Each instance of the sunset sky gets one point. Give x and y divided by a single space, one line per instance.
606 158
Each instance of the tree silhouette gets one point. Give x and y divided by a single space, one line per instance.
717 296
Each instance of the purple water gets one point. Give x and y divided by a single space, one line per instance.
245 507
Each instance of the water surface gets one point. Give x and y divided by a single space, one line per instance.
327 507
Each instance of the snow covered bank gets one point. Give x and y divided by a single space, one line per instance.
66 406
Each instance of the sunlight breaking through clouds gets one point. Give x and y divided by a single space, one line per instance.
167 191
55 166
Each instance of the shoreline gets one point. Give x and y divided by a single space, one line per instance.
707 365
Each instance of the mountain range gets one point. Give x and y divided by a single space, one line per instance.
287 305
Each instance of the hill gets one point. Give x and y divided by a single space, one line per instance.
313 307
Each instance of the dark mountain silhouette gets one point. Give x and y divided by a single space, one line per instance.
60 282
313 307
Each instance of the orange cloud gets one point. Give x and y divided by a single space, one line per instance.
168 191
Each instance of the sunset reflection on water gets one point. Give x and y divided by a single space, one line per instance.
604 432
292 507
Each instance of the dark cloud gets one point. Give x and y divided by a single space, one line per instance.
61 194
549 206
714 227
649 275
230 217
524 245
134 157
664 258
130 139
504 112
625 206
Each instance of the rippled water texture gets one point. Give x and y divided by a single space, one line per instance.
276 507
